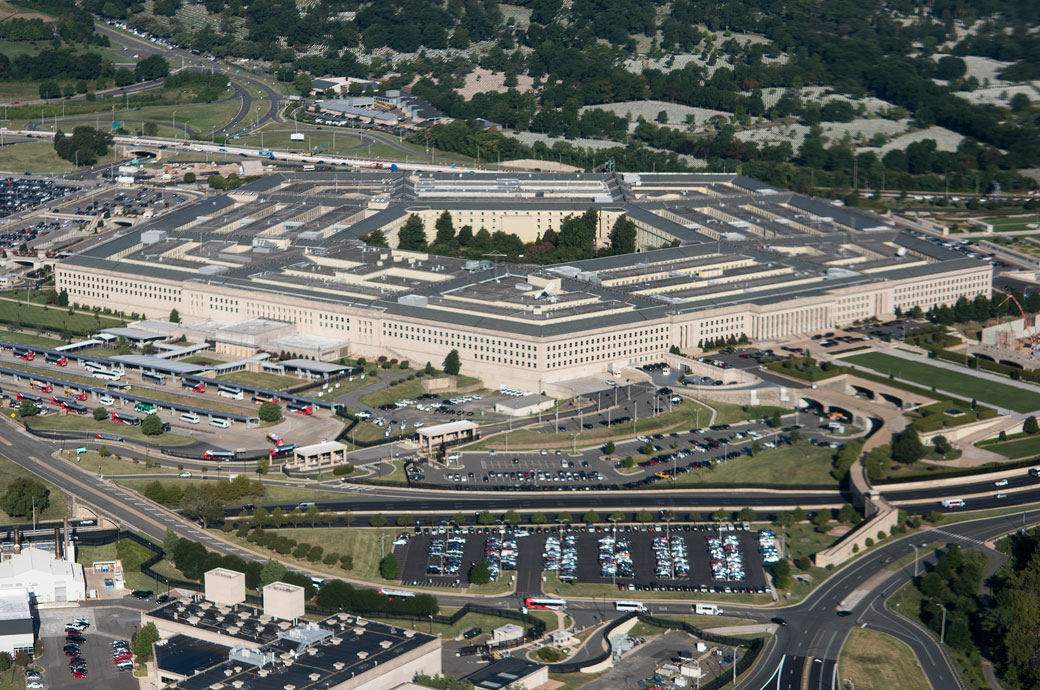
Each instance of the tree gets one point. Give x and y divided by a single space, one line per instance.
782 574
616 516
458 519
151 425
376 238
170 541
480 573
511 518
152 67
263 465
405 520
63 298
564 518
622 236
203 505
746 515
908 448
412 235
84 147
539 519
103 451
151 129
24 495
388 567
28 409
175 316
848 514
445 229
784 519
5 661
822 520
100 414
720 515
644 516
189 178
273 571
142 641
942 445
269 412
609 448
1030 425
775 421
590 517
798 514
303 84
452 363
486 518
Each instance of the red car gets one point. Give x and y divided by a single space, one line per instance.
79 673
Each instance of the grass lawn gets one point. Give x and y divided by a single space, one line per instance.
29 339
573 681
729 413
553 587
200 117
1018 448
135 579
92 462
503 585
9 471
203 360
13 679
801 464
38 157
366 432
683 416
87 423
804 540
957 383
262 379
907 602
385 396
327 143
362 544
272 494
57 319
876 661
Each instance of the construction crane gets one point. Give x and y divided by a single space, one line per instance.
1034 348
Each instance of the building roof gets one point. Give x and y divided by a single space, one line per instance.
161 364
523 401
448 428
14 604
183 655
321 448
503 673
315 366
133 334
32 560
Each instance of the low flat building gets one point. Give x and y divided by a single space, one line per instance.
318 456
524 405
180 657
440 436
509 672
16 622
47 579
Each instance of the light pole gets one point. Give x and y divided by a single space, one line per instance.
942 630
914 547
174 124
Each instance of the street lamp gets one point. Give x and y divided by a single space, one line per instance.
942 631
914 547
174 124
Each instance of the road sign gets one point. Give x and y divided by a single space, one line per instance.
81 450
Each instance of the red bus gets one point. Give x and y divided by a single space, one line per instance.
545 603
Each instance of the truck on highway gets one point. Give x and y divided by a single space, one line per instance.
953 503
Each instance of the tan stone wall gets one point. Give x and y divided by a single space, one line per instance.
884 521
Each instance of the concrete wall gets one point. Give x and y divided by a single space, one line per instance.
883 521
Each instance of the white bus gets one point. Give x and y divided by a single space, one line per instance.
953 503
229 392
629 606
707 610
107 375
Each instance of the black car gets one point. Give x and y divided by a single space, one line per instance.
471 633
843 612
76 639
142 594
779 621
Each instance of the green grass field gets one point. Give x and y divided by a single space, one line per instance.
38 157
954 382
89 424
134 579
277 139
876 661
55 320
262 379
1018 448
272 494
800 464
9 471
29 339
111 465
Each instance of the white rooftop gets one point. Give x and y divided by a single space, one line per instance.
318 448
14 604
447 428
33 560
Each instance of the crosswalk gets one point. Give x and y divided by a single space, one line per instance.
958 536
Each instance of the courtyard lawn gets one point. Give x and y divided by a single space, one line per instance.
801 464
9 471
954 382
261 379
134 578
876 661
729 413
391 394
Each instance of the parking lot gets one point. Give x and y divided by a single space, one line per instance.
108 623
639 541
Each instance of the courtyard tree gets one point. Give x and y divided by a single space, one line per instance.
452 363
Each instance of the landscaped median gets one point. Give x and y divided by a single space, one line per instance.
873 659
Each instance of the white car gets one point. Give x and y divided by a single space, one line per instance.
184 475
1000 482
34 685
